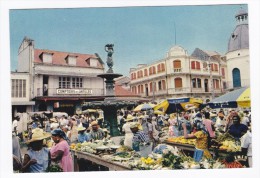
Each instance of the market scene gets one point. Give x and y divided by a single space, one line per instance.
70 114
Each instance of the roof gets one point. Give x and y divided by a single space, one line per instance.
205 55
121 91
58 58
239 39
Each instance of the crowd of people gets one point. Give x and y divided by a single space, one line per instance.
142 131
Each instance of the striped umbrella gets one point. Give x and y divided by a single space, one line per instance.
237 98
178 104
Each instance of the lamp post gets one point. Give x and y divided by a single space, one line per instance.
211 79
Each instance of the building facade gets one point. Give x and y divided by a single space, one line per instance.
180 75
58 81
237 56
203 74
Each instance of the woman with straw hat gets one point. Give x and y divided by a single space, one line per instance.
60 152
37 157
128 133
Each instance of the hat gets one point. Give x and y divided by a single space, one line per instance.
53 120
213 114
141 117
105 130
134 125
38 134
94 123
129 118
81 128
221 114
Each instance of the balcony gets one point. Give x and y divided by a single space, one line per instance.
70 92
192 90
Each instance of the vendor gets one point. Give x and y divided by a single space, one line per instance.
201 143
96 133
141 142
237 130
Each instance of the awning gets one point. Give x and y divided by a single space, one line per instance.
16 103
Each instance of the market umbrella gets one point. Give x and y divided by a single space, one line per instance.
173 105
237 98
144 107
90 111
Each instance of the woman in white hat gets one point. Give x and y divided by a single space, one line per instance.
37 157
128 133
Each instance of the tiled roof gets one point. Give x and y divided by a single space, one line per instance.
120 91
58 58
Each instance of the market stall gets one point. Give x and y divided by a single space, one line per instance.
112 165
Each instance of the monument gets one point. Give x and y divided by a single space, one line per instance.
111 103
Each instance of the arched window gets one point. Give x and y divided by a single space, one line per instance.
177 64
159 68
154 70
178 82
236 77
163 67
145 72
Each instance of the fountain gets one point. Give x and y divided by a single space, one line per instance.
111 104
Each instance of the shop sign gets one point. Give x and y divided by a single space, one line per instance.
74 91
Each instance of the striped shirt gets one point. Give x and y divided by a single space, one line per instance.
141 137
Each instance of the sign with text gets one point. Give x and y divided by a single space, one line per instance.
74 91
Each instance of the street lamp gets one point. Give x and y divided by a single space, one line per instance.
211 78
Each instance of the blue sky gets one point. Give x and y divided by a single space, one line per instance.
141 35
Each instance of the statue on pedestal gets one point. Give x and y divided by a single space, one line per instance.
110 50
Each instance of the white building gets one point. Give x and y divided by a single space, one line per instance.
203 74
180 75
57 81
238 60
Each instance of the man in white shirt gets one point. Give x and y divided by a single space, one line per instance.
15 124
246 145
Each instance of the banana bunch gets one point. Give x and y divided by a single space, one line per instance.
230 146
181 140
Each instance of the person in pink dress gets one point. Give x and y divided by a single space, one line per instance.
60 152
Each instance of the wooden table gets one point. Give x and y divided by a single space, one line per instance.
113 166
185 147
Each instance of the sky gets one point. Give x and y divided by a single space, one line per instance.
141 35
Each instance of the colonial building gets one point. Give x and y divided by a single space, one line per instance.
203 74
180 75
55 81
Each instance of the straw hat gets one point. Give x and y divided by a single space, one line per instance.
53 120
94 123
38 134
81 128
220 114
129 118
134 125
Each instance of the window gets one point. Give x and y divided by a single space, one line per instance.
159 85
70 82
223 72
236 77
216 83
177 64
145 72
195 65
152 70
18 88
196 83
159 67
178 82
163 85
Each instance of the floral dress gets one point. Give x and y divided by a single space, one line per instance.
201 146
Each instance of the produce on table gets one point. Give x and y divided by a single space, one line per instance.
181 140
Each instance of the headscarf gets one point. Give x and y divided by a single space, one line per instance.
60 133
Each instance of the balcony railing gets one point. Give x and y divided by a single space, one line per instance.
70 92
192 90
